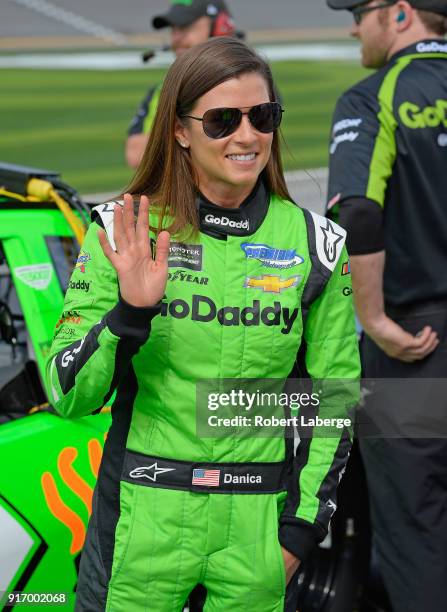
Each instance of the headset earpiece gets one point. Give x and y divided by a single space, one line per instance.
401 17
223 25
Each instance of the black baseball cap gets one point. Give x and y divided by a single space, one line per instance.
184 12
434 6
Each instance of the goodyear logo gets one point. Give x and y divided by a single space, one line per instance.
271 257
272 284
82 261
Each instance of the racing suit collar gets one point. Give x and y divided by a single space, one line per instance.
220 222
428 45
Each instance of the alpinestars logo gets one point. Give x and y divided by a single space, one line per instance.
150 472
331 239
226 222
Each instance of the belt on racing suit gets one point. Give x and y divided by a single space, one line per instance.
201 477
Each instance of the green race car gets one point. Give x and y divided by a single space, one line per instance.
48 464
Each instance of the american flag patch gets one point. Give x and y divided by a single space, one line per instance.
206 478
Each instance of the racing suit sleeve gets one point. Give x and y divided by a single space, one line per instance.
96 336
332 361
142 120
363 221
362 149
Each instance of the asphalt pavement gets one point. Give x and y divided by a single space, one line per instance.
65 18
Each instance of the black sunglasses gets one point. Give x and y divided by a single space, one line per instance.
359 11
221 122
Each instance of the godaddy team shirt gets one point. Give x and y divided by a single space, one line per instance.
388 171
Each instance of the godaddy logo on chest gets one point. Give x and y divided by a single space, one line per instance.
203 310
226 222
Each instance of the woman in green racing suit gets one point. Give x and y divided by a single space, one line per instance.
242 278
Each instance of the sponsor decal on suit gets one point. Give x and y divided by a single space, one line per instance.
346 268
82 261
270 257
202 309
330 239
205 478
188 256
272 284
149 471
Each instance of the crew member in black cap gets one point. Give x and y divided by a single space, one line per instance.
192 22
387 187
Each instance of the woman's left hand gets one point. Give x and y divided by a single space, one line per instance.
142 279
291 564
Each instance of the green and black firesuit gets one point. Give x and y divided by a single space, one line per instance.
241 298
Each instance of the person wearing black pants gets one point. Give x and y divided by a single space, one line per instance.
407 476
387 188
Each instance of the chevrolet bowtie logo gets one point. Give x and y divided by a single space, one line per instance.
151 472
272 284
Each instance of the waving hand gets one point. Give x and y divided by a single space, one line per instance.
142 279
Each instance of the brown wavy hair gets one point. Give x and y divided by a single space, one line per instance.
166 174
